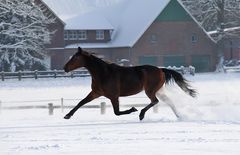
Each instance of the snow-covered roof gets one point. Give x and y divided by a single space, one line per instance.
66 9
82 22
131 18
128 19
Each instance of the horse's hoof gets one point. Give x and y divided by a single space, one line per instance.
141 117
67 117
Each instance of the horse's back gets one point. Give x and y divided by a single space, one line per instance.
135 79
153 76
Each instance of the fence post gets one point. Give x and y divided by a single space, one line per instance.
36 74
155 108
55 73
0 106
62 106
19 75
2 75
50 108
192 70
72 74
182 70
103 108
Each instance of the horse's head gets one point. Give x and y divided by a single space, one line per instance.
76 61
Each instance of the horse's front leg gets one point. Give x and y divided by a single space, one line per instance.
115 104
87 99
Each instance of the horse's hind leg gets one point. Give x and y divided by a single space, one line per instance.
154 101
166 99
115 104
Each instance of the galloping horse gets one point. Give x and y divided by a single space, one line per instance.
112 81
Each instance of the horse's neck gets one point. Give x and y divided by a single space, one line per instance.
95 67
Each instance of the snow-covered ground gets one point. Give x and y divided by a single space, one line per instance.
210 124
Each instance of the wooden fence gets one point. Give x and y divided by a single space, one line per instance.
50 106
231 68
77 73
43 74
183 70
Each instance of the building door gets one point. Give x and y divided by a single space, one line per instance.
177 61
148 60
201 63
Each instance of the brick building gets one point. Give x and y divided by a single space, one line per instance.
157 32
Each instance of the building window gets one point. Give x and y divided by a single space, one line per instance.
82 35
65 35
153 38
70 35
75 35
100 35
194 38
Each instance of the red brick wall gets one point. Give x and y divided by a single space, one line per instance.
174 38
232 48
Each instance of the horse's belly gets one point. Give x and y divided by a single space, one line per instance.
130 88
130 93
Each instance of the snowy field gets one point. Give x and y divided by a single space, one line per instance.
209 124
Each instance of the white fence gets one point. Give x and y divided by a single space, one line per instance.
43 74
77 73
48 104
231 68
183 70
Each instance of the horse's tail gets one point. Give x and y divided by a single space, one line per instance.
171 75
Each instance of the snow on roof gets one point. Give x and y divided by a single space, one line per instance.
66 9
88 21
131 18
89 45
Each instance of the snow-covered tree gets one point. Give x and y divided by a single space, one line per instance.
23 35
216 15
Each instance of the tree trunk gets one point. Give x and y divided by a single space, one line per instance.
221 34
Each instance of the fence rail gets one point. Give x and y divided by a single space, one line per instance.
231 68
43 74
50 106
183 70
61 104
77 73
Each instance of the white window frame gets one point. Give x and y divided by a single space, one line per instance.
82 35
75 35
65 35
70 35
100 35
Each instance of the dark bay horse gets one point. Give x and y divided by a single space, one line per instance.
112 81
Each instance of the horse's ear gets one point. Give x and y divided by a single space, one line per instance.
79 49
